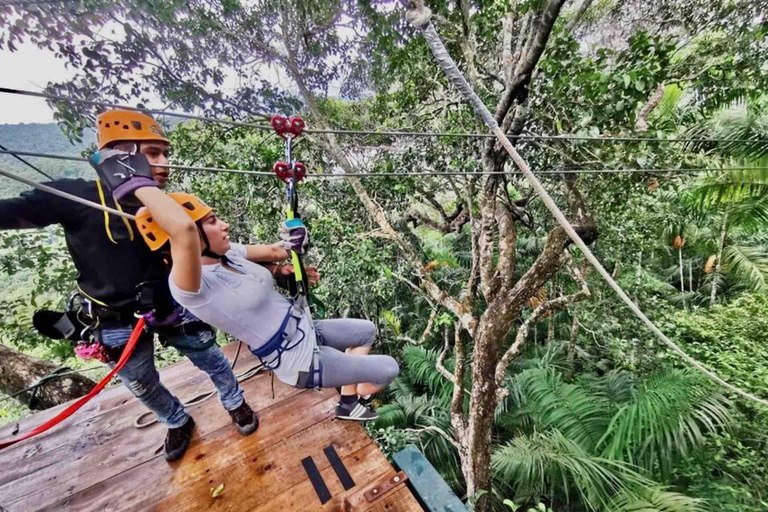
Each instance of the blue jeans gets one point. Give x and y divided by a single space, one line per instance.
142 379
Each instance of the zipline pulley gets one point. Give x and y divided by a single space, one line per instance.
284 171
292 172
287 127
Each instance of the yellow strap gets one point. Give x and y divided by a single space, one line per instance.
106 216
125 221
97 301
294 256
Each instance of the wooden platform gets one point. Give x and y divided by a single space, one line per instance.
97 459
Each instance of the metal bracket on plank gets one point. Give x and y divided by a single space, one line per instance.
385 486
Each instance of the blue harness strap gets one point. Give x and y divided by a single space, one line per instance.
315 369
278 343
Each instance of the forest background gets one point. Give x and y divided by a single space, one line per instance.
464 274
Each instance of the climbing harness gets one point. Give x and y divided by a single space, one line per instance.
280 342
72 408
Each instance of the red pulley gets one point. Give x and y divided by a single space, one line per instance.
281 124
297 126
282 170
301 170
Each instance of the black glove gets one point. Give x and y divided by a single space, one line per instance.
123 172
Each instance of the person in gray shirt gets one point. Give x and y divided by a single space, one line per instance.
221 284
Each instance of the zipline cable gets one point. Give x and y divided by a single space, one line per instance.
420 18
158 112
403 174
396 133
17 157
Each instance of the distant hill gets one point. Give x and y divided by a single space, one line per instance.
40 138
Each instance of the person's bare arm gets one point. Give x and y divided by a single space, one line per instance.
185 240
263 253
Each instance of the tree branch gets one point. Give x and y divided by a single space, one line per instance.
641 124
426 332
579 14
522 333
507 241
440 364
457 410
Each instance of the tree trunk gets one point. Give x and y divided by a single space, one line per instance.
18 371
682 269
690 275
719 264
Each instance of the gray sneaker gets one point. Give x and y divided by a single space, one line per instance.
355 412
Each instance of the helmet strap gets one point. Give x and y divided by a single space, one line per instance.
207 249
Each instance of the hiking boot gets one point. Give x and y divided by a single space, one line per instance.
177 440
355 411
246 419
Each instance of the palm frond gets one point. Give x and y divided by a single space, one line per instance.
548 463
617 387
402 387
748 263
669 416
739 120
580 416
410 412
657 500
734 186
421 368
751 214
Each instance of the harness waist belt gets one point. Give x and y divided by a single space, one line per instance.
275 341
124 315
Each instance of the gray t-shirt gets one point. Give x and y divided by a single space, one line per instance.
248 307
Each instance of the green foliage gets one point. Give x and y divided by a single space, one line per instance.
599 420
733 338
538 462
39 138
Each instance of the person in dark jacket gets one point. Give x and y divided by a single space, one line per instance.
118 276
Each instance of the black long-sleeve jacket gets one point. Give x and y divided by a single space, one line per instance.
110 256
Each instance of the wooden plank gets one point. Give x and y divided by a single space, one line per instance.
427 482
50 447
219 457
400 500
266 474
109 445
71 437
175 377
365 465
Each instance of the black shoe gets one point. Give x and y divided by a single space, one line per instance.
246 419
355 411
177 440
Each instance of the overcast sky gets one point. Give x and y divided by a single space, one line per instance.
28 68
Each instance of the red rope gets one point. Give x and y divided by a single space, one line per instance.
69 411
